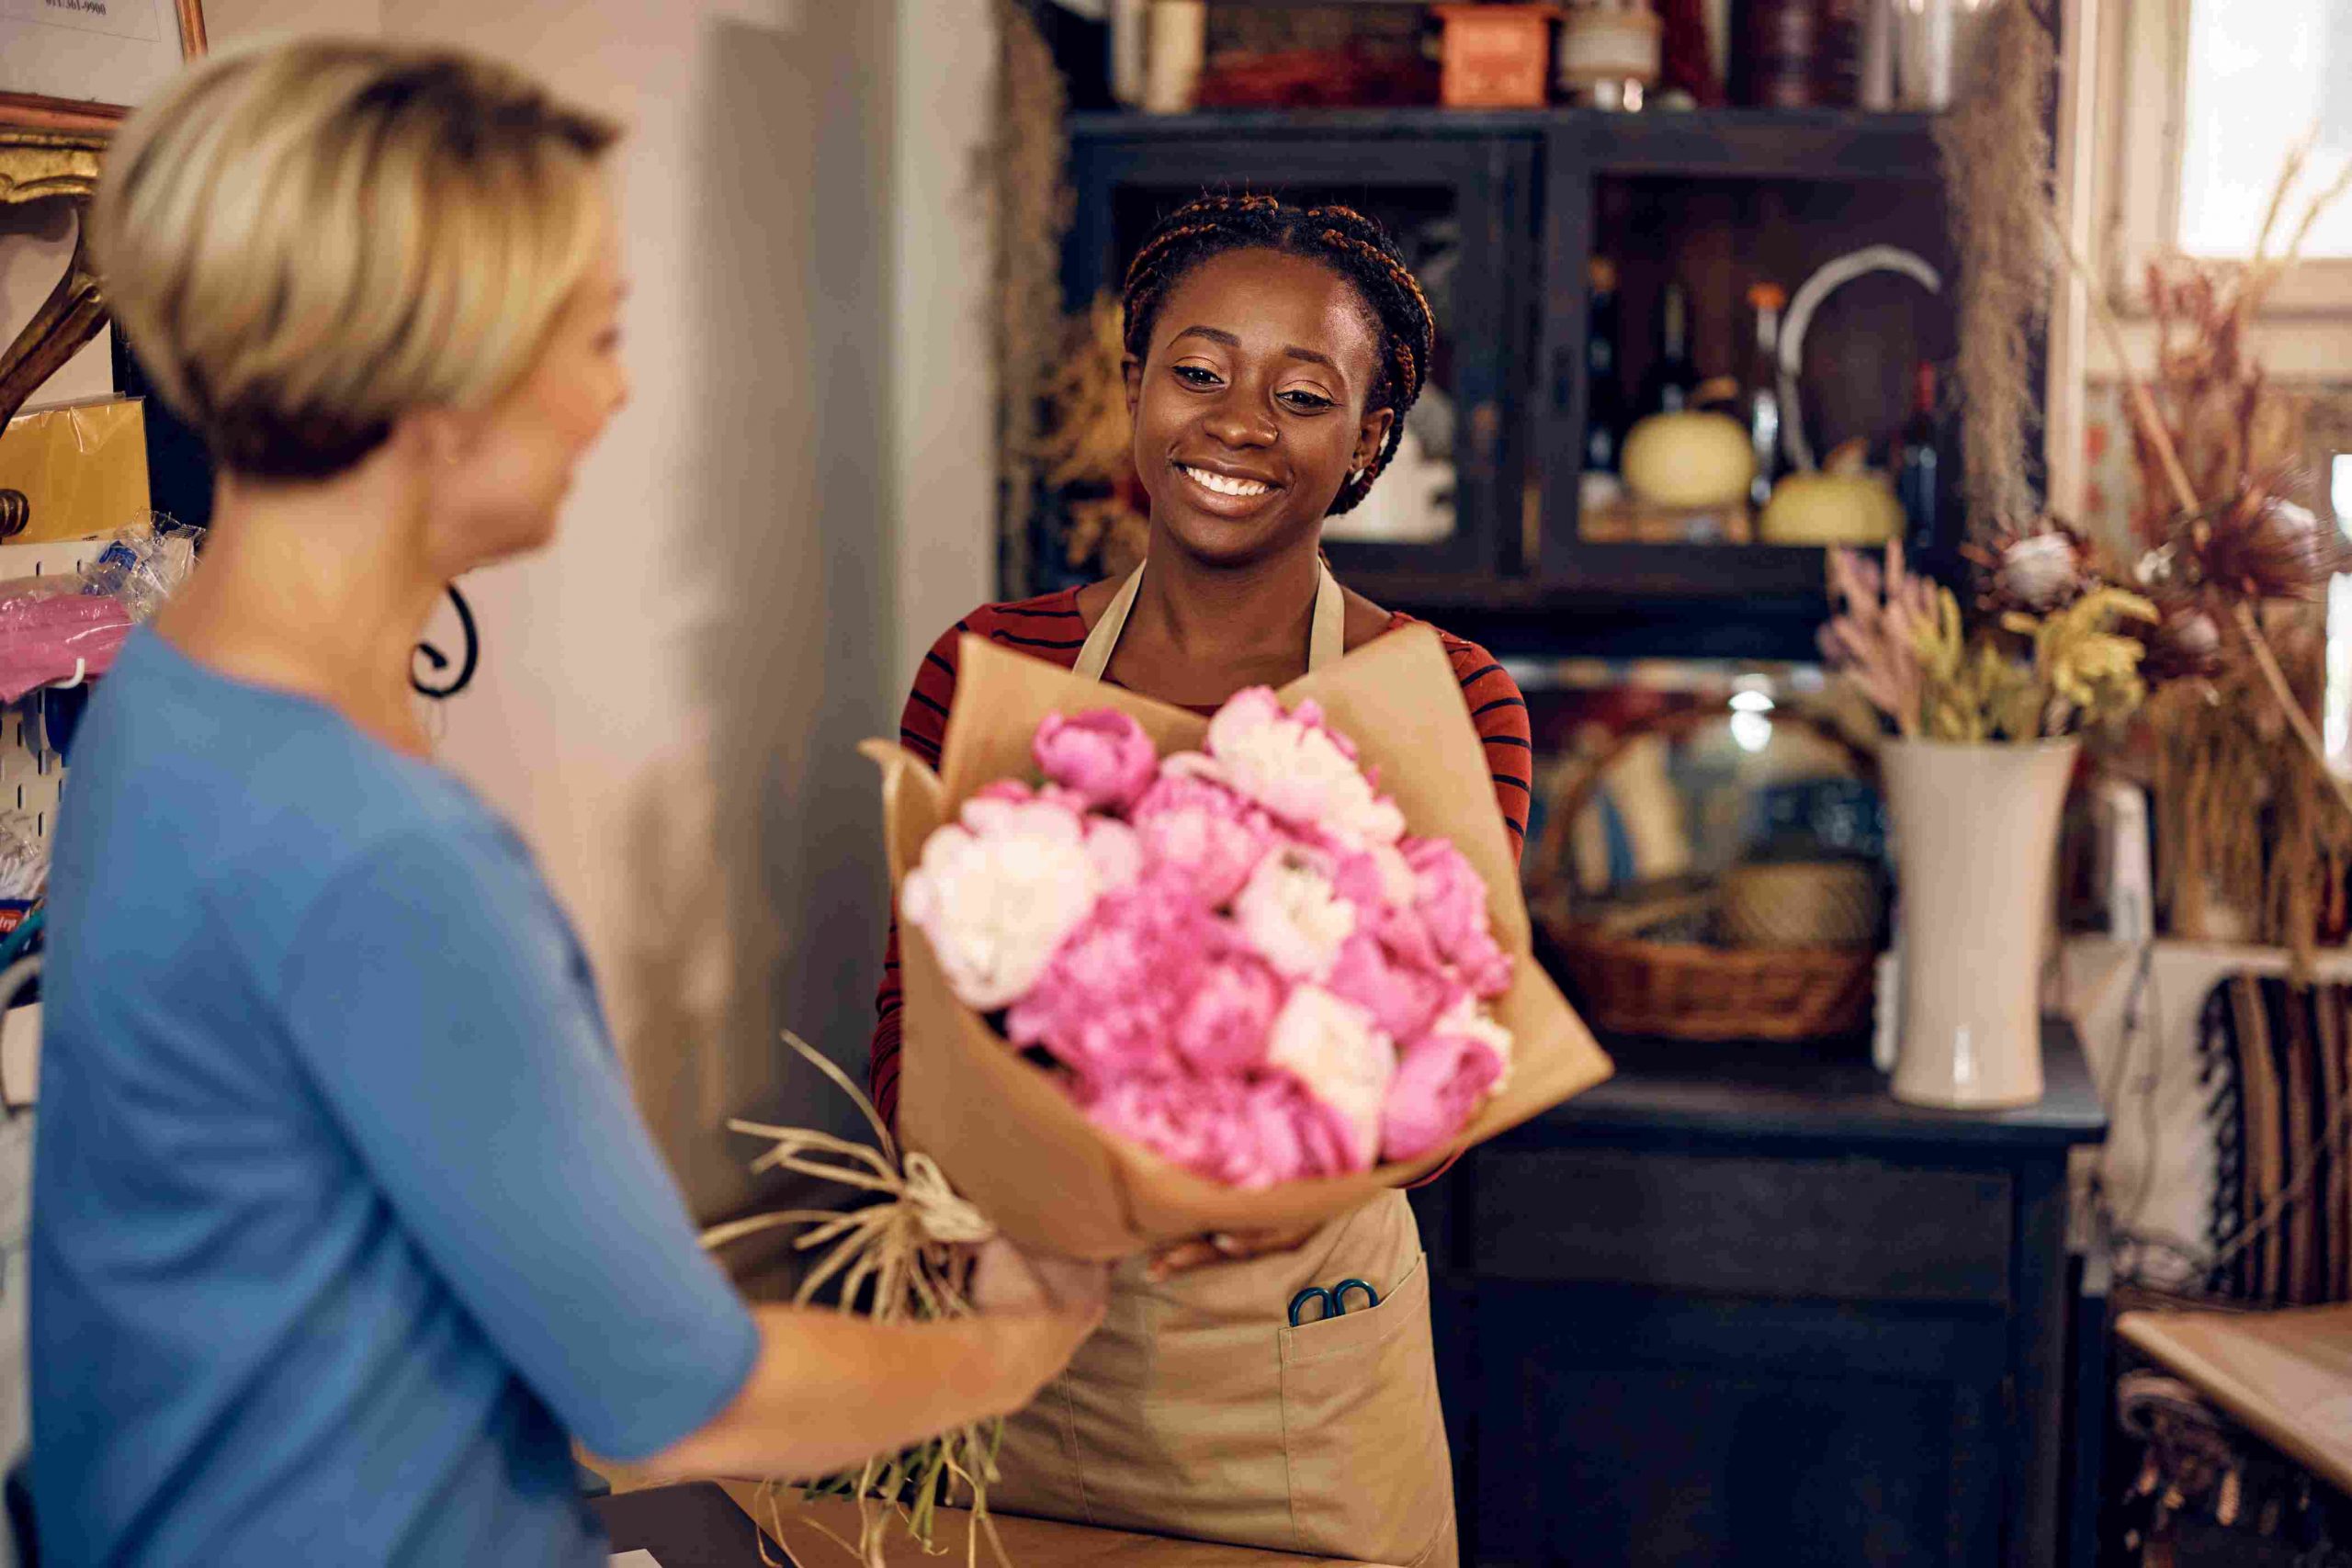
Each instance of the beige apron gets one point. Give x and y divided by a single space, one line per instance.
1197 1411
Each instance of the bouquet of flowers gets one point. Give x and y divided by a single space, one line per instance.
1234 957
1168 976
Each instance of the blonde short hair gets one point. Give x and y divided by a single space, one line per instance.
305 240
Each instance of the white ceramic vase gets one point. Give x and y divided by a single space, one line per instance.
1976 850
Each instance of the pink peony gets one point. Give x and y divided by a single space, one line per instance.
1299 768
1338 1055
1203 829
1403 998
1388 966
1244 1133
1107 1003
1226 1021
998 891
1008 792
1292 915
1441 1079
1450 899
1103 757
1382 889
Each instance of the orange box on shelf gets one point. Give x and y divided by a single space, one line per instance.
1496 57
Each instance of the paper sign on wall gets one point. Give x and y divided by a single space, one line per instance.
83 468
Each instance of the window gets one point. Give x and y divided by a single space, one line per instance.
2257 84
2205 99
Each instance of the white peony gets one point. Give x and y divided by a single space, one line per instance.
1399 884
1341 1057
998 893
1117 852
1298 770
1290 912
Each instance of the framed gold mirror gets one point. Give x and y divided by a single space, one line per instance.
68 71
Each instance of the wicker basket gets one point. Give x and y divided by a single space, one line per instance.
1837 903
1628 984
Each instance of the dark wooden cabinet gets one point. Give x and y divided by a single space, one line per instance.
1501 213
1739 1307
1458 201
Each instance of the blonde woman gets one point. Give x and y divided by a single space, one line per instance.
346 1225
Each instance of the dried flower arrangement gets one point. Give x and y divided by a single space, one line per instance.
2052 657
2238 569
1086 452
1030 209
2214 634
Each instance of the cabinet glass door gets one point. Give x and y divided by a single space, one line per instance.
1823 235
1441 507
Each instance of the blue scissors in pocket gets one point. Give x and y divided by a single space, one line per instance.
1335 1300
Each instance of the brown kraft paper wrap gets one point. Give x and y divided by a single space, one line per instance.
1005 1133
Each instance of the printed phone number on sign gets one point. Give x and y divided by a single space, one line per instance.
136 20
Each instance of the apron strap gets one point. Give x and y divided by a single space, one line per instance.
1103 640
1326 643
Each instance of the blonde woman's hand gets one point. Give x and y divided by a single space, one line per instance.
1007 1280
1041 1308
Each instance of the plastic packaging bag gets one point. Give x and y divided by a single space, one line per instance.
143 571
24 859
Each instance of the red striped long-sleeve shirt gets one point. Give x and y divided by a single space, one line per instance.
1054 630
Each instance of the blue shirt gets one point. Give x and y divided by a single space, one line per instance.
342 1218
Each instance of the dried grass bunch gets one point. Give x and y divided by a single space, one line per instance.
2257 847
904 1256
1086 451
1995 146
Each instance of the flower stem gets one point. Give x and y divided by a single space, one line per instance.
2297 718
2150 422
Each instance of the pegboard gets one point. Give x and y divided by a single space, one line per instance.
30 775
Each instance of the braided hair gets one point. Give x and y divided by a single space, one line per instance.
1358 248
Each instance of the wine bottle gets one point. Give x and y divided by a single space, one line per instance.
1666 389
1604 409
1768 300
1915 463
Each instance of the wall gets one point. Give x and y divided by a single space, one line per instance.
797 501
944 396
792 506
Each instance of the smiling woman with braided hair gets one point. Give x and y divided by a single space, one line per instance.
1271 354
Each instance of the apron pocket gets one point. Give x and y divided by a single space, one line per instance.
1363 1438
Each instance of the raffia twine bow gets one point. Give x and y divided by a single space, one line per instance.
904 1257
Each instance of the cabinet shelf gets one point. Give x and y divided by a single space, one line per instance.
1504 211
1765 143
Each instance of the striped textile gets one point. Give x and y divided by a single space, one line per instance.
1052 629
2279 1057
